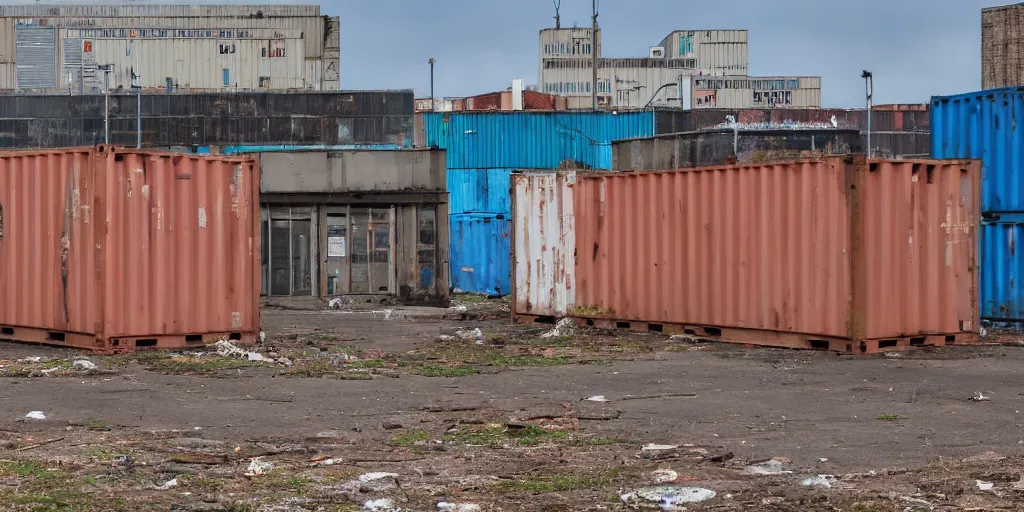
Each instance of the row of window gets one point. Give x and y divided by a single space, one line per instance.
763 85
152 33
227 49
577 47
226 75
642 63
603 85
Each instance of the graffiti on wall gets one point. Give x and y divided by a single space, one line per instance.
783 125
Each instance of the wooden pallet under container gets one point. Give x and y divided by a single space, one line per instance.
767 338
120 345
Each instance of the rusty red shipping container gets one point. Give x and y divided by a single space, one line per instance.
115 249
837 253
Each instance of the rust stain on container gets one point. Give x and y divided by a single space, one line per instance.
837 253
112 250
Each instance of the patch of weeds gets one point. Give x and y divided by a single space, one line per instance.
555 341
97 426
283 482
203 483
409 438
888 417
98 452
560 483
54 501
444 371
365 364
322 368
531 435
197 365
469 298
531 360
25 369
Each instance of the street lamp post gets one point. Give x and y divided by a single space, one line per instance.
869 90
431 62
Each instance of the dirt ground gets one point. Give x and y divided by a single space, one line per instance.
412 409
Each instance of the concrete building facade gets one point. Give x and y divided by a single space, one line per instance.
363 223
755 92
657 79
83 48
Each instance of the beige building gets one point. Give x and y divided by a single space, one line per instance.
69 48
659 79
755 92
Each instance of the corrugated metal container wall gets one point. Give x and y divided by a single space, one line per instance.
7 46
112 249
480 253
533 140
1002 299
478 190
544 241
984 125
831 247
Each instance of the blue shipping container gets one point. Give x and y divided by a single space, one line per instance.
1002 299
480 254
985 125
533 140
478 191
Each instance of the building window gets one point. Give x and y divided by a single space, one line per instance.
226 49
426 248
226 75
264 82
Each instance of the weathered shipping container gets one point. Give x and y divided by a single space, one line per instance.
836 253
480 253
479 190
1002 299
112 250
713 147
209 119
533 140
984 125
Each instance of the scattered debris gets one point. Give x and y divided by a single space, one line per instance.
988 456
122 462
562 328
668 496
983 332
35 415
167 485
979 397
257 467
37 445
84 365
772 500
822 459
984 486
683 338
651 447
381 505
597 398
263 337
378 482
445 337
475 334
458 507
823 481
659 451
916 502
328 462
664 476
460 309
334 303
256 356
227 349
774 466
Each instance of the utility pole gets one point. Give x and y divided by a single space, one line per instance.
106 102
431 62
593 58
869 89
558 17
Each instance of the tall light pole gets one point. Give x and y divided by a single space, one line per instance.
869 89
431 62
593 58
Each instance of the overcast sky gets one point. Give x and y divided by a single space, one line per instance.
915 48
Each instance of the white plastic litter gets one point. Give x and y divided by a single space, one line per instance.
263 337
328 462
768 467
334 303
33 359
460 309
597 398
84 365
985 486
651 447
823 481
669 496
445 337
257 467
458 507
475 334
979 397
168 484
35 415
381 505
227 349
664 476
378 482
256 356
562 328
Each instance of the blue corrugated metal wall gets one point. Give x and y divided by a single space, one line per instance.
478 190
533 140
983 125
483 149
480 253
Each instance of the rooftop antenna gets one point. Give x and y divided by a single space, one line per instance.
558 17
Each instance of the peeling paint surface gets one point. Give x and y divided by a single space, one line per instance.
544 243
147 270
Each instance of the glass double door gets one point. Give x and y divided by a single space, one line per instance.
287 253
360 250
